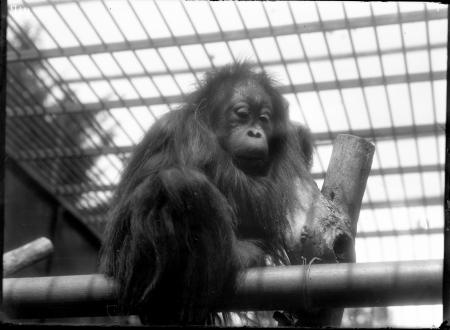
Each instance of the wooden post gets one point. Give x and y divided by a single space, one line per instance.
26 255
323 226
347 174
344 186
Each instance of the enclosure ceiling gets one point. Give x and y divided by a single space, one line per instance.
86 79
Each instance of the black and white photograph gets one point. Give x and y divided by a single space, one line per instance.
224 163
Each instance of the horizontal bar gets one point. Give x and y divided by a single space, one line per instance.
270 288
95 217
60 296
341 285
331 25
387 233
286 89
70 152
435 200
384 133
46 3
395 170
73 189
320 138
265 63
91 217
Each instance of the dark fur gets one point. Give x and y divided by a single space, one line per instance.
185 220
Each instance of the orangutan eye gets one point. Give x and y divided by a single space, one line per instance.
264 118
242 112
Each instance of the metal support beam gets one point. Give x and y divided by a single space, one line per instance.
298 88
73 189
410 202
266 63
270 288
396 170
384 133
436 200
331 25
387 233
320 138
446 207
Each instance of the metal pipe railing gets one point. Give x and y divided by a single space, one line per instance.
281 288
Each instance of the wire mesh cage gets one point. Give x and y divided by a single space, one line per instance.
86 79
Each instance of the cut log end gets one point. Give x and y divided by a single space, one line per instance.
344 249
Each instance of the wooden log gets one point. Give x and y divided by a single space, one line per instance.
324 227
324 224
346 178
344 185
269 288
26 255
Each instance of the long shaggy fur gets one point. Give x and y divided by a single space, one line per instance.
185 219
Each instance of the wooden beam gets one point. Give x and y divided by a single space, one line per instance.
29 172
344 186
270 288
348 170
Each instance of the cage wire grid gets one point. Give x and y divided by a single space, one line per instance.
86 79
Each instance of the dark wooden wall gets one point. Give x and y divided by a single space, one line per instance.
30 212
